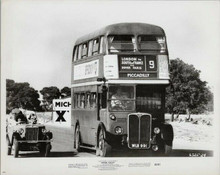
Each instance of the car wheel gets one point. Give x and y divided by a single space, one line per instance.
103 148
47 149
77 139
42 148
8 146
16 147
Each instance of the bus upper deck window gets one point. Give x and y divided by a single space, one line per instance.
84 50
95 49
151 43
90 48
80 52
75 53
121 43
162 42
101 45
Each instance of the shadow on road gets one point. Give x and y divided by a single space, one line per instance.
174 153
191 153
52 154
123 153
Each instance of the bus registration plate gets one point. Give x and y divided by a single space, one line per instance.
139 145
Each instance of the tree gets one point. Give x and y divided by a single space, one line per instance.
187 93
65 92
21 95
49 93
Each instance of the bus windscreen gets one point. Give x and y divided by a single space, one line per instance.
121 98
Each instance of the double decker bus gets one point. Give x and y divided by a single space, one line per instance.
119 76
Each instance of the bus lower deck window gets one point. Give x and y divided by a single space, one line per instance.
93 100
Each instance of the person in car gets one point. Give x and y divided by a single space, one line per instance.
32 118
18 116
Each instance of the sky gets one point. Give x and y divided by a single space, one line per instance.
38 36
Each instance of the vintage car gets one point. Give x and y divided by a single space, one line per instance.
28 137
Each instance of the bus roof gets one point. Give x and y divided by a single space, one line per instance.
123 29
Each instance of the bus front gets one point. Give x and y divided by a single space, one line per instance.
136 74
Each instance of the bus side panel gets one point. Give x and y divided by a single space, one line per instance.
103 117
87 121
84 78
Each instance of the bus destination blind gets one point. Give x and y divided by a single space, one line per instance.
137 66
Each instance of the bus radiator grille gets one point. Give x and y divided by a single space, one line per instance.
139 131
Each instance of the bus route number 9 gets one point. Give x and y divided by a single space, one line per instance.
151 64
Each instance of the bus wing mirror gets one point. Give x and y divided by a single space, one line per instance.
104 89
101 79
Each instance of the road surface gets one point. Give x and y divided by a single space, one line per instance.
62 146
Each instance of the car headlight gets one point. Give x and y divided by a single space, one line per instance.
20 131
44 130
156 130
118 130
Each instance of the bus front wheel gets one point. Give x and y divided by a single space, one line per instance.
103 148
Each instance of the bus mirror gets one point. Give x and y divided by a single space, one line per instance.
101 79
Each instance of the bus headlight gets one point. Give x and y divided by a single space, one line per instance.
155 148
156 130
118 130
112 117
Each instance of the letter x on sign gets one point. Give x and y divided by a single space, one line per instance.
60 118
